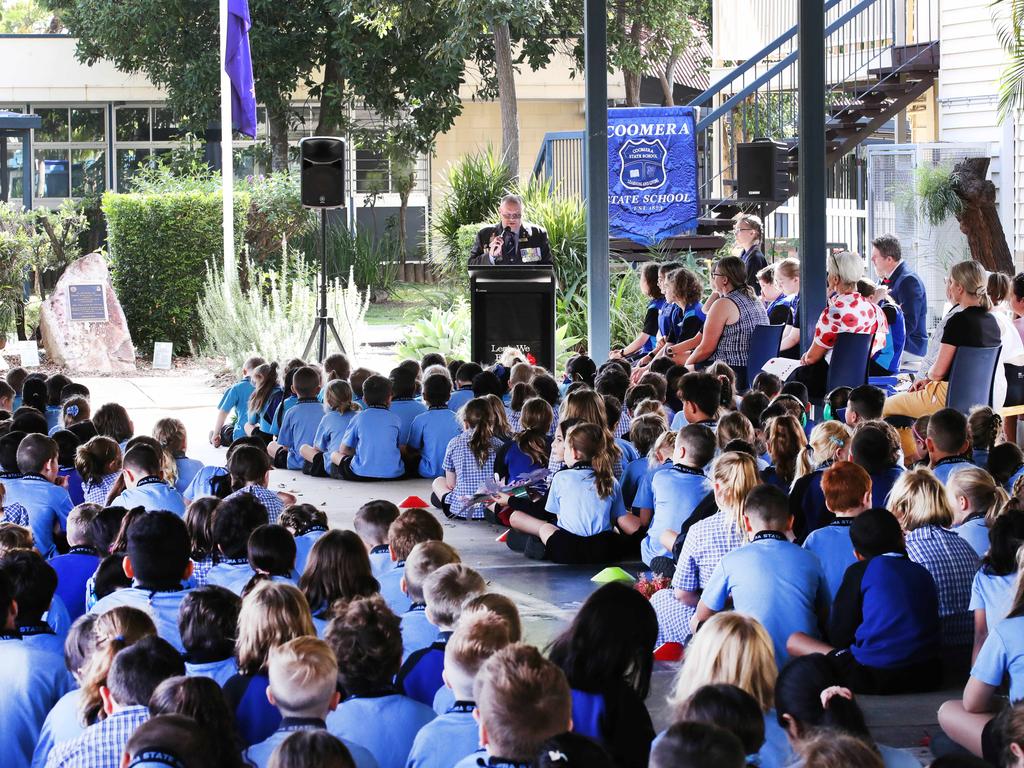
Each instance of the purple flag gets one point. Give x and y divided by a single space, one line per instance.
238 65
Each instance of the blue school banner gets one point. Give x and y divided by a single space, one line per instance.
652 173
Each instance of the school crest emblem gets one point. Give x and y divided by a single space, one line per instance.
643 164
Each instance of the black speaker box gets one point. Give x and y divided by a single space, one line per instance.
762 172
322 172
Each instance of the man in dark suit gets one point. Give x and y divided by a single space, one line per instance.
906 289
513 241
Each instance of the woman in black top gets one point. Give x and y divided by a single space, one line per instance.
973 326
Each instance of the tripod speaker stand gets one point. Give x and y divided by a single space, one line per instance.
322 186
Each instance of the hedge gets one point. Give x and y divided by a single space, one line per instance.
160 245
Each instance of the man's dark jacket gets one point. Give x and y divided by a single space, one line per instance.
532 246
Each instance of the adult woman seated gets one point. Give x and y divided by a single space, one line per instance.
846 311
733 311
972 326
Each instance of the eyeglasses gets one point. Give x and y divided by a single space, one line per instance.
744 229
717 274
511 215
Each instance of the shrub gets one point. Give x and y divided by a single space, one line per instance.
275 213
371 258
14 259
273 316
161 245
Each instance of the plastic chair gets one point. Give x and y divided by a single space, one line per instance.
765 341
972 377
849 364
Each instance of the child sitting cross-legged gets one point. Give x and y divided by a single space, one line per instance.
234 521
847 489
300 423
468 461
367 642
340 411
444 592
372 522
585 499
772 579
303 685
235 400
370 448
409 529
426 557
455 734
144 483
433 429
405 405
337 569
208 623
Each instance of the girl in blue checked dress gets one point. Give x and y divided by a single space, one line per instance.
468 461
199 521
249 472
99 464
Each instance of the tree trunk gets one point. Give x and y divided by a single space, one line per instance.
403 207
278 138
507 97
979 220
330 98
633 79
668 81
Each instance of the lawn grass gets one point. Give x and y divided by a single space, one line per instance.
407 302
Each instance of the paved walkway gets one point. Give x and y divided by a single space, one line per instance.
548 595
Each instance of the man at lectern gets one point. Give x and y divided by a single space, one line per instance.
513 241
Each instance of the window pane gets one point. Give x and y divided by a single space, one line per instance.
371 172
14 169
55 124
165 127
87 125
88 172
128 163
133 124
51 173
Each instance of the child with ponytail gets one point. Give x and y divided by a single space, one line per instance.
985 427
99 464
264 401
335 422
173 437
977 501
530 447
114 631
586 499
468 461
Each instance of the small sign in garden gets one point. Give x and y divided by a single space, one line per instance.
162 355
87 303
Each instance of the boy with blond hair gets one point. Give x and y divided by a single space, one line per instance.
455 734
425 558
304 686
511 732
409 529
444 592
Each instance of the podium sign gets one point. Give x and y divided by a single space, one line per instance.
513 306
87 303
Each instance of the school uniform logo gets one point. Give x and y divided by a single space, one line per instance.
643 164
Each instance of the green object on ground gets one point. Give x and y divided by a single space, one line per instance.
612 573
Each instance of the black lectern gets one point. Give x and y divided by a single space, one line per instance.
513 306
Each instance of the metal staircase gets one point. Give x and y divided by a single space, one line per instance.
881 55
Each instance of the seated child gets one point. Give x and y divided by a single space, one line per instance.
585 499
829 443
306 524
38 491
864 403
171 434
208 624
235 400
455 734
303 685
468 462
418 631
264 403
299 425
183 740
884 629
771 579
372 522
233 523
249 473
144 484
995 582
370 449
847 490
947 444
340 411
678 491
134 675
367 642
204 483
54 385
337 570
977 500
410 528
15 379
529 449
158 562
403 400
432 430
985 427
731 708
510 732
199 521
336 368
1006 465
658 458
68 444
9 443
33 584
271 557
644 432
74 568
695 745
875 447
445 590
112 420
464 385
701 397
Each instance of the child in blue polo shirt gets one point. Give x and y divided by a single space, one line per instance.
455 734
847 490
299 425
158 562
34 584
976 500
38 491
235 400
367 642
287 377
74 568
995 582
372 522
829 443
15 379
403 400
410 528
370 449
264 402
54 385
884 631
67 445
271 557
586 500
418 631
771 579
208 624
233 523
340 411
947 443
433 429
171 434
644 432
144 483
678 491
464 385
307 524
444 592
701 396
876 447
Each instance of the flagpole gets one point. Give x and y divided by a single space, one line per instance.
227 156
